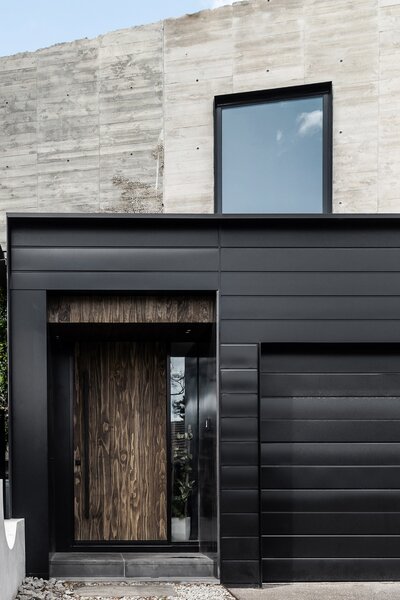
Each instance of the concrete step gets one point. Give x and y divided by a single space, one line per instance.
166 566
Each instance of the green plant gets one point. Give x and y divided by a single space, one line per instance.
183 484
182 458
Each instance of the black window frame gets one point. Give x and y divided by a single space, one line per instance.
263 97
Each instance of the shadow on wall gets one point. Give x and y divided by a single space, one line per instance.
12 553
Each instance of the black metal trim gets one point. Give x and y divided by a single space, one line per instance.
268 95
264 96
86 473
69 538
168 434
217 156
2 445
9 366
327 144
124 546
259 348
61 472
185 218
3 468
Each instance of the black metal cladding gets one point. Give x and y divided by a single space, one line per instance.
330 442
284 279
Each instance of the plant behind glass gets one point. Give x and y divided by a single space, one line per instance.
182 458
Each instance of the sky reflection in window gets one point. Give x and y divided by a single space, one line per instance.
272 157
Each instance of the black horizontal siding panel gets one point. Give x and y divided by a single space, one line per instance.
330 454
115 259
330 358
330 431
331 569
240 572
112 236
244 332
331 546
301 500
355 523
239 453
239 381
329 384
239 356
318 477
239 429
236 478
239 501
240 548
310 284
239 405
239 524
301 234
132 281
331 407
308 259
310 307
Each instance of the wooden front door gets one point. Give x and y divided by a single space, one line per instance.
120 442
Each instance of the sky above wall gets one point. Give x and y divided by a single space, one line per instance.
32 24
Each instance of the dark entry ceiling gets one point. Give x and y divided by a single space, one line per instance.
171 332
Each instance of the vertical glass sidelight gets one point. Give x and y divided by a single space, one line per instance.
184 447
273 154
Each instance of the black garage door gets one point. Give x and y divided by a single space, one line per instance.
330 463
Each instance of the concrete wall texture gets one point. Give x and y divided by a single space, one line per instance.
12 553
124 122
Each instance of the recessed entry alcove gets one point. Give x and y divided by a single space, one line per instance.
132 414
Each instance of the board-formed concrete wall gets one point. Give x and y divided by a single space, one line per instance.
89 125
12 553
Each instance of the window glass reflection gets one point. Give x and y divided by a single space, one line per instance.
184 448
272 157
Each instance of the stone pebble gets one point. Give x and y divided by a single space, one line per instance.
34 588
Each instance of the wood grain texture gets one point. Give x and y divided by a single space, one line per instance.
131 309
127 459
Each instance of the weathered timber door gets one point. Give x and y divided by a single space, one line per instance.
120 442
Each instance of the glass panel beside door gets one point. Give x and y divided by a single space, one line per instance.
184 447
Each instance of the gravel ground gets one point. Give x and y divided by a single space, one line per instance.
33 588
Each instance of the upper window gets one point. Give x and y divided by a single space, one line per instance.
273 151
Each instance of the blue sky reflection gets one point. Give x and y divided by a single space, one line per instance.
272 157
